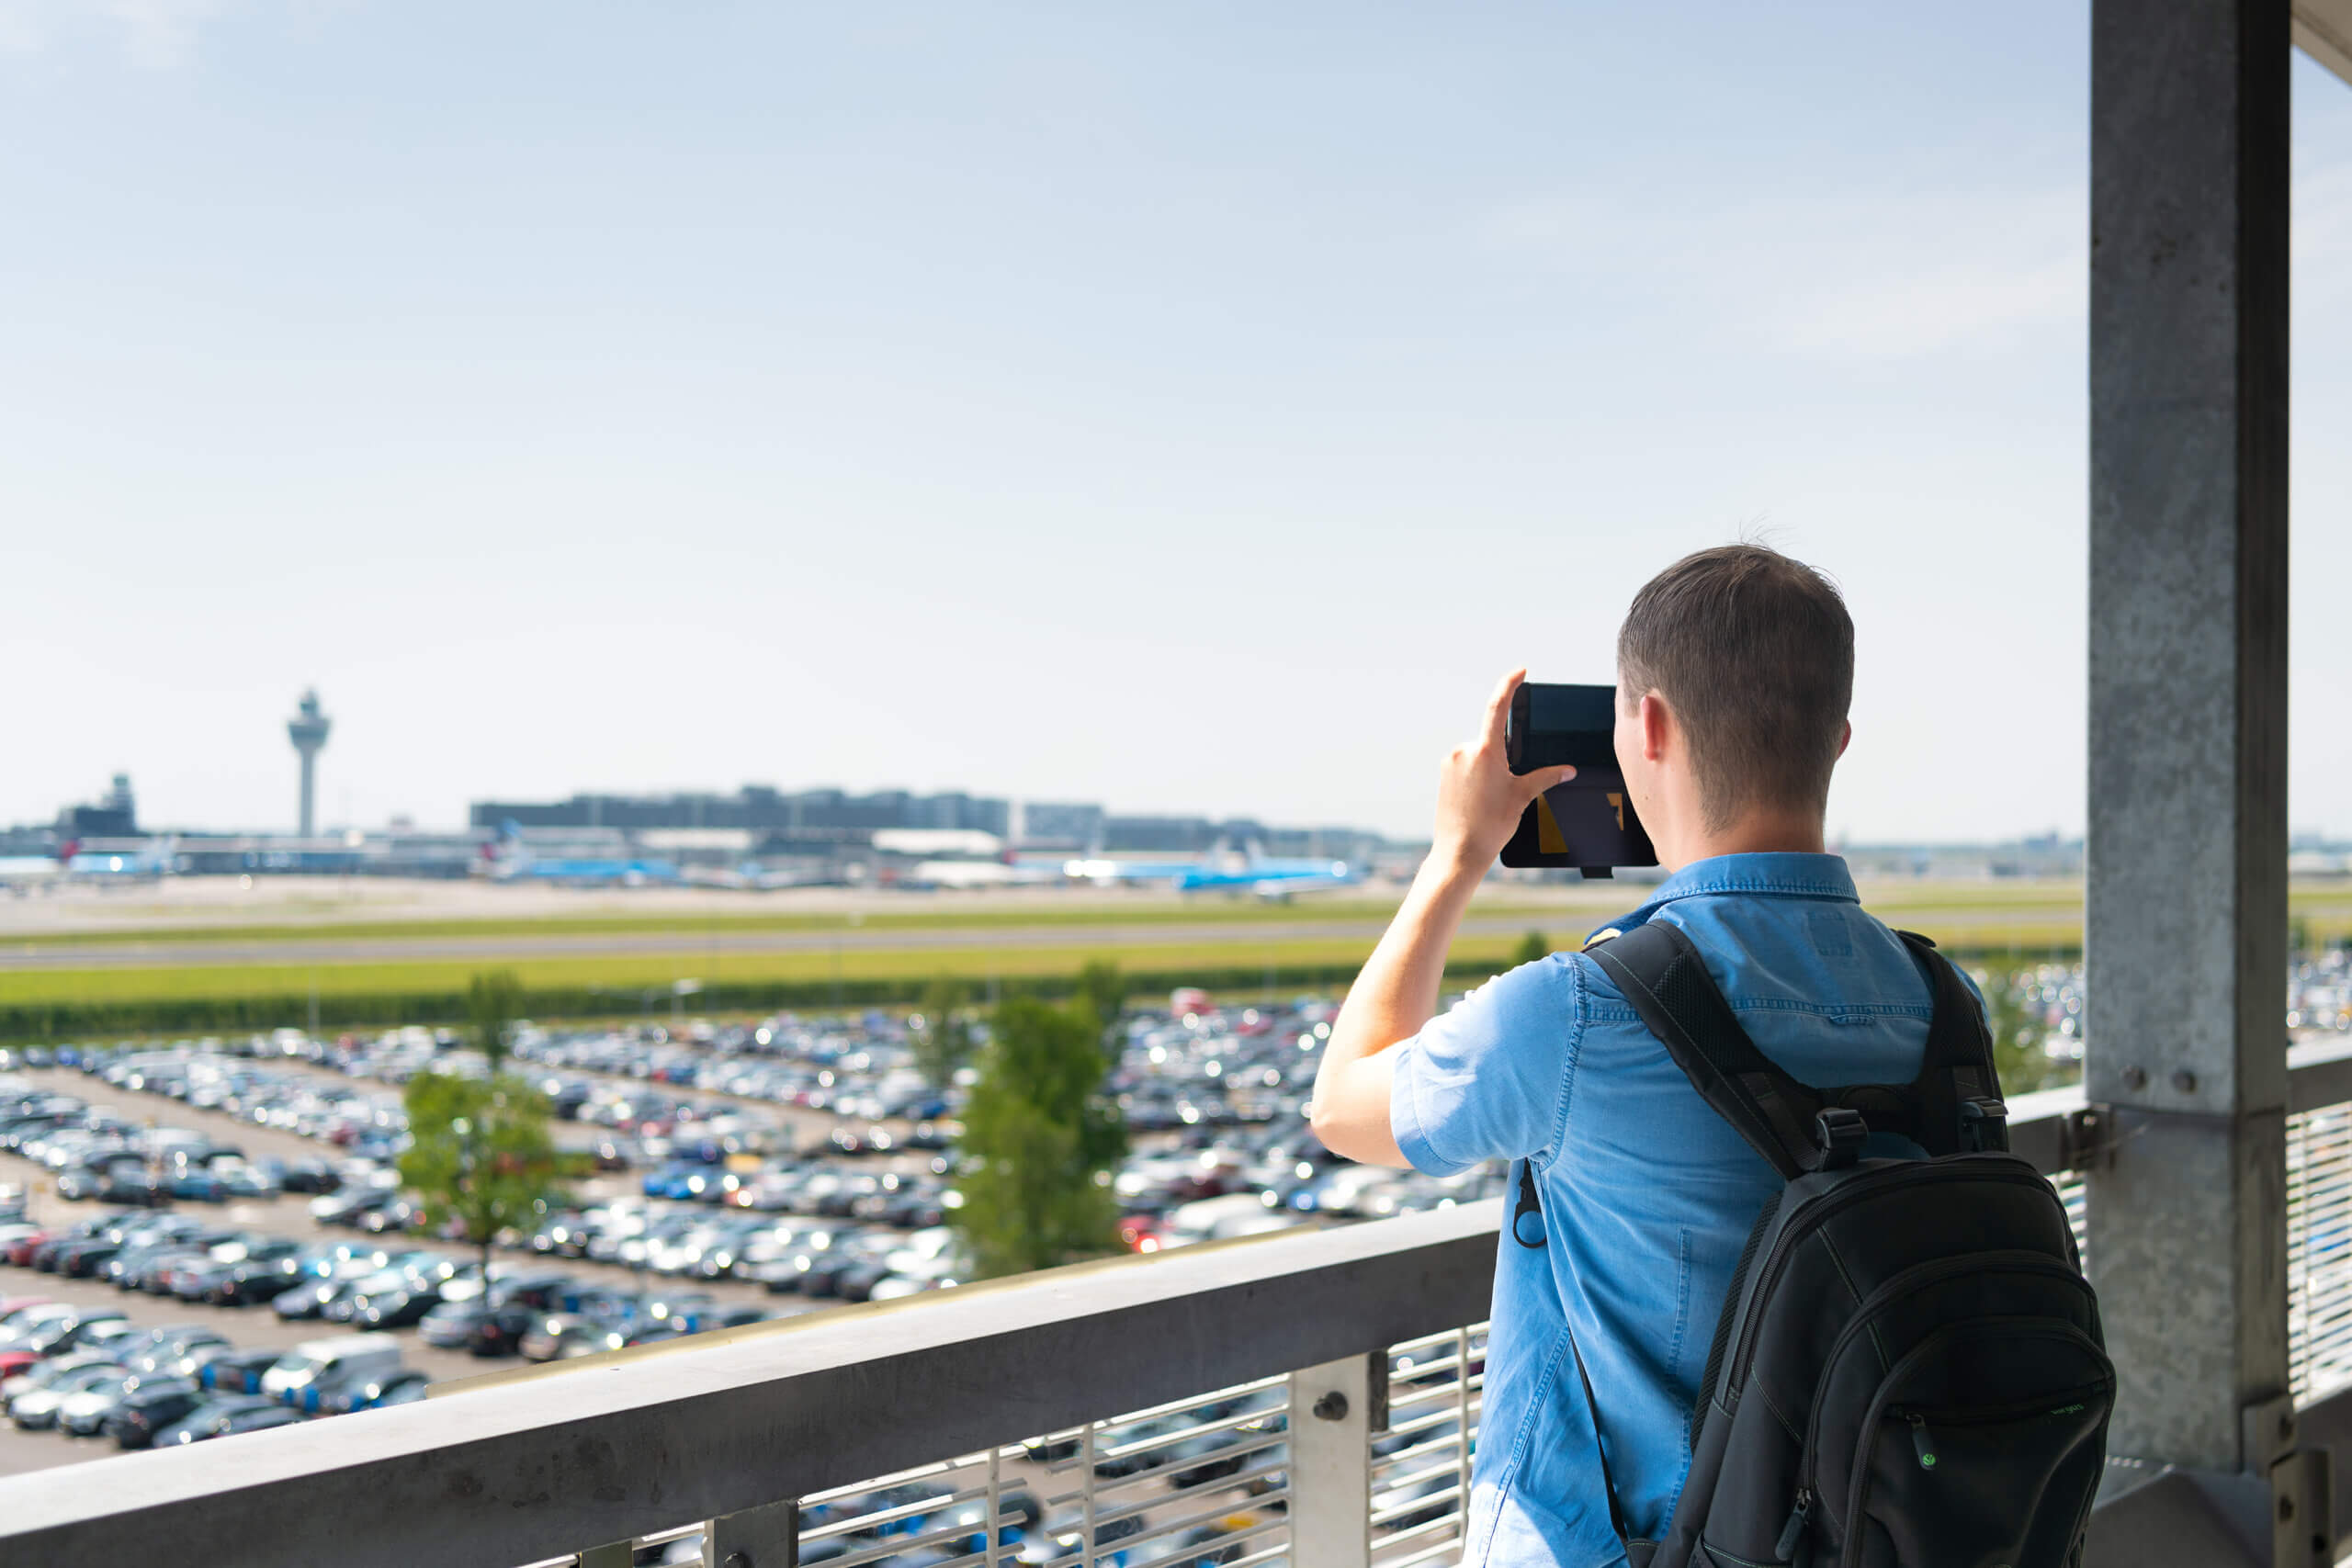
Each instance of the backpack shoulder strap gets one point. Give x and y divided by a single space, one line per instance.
1791 1125
1957 1091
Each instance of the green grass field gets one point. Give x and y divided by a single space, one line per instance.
1220 912
629 973
1996 924
68 984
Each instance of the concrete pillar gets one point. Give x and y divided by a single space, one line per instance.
2187 923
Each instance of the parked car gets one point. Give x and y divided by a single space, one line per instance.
86 1414
313 1298
177 1352
237 1371
561 1336
35 1410
57 1333
224 1417
257 1279
401 1307
365 1393
42 1374
136 1188
323 1361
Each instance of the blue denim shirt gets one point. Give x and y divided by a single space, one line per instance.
1647 1195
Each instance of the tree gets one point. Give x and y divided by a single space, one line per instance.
2018 1034
1040 1142
1101 989
481 1153
1532 946
943 1044
493 1000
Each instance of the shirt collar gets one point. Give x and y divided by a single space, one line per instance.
1776 875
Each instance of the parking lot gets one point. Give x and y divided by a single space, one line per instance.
284 1215
752 1169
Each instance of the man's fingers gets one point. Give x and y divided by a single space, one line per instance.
1550 778
1499 707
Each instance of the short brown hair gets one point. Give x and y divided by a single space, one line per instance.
1755 654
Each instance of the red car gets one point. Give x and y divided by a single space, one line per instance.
20 1252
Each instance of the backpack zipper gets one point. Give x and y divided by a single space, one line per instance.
1921 1444
1793 1531
1813 1215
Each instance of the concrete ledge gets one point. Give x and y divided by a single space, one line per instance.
504 1475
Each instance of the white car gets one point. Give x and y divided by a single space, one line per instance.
44 1375
37 1411
76 1410
327 1360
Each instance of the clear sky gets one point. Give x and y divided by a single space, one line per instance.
1188 407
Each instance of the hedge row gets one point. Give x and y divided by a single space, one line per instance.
44 1021
48 1021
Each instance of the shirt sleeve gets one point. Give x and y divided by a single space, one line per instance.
1484 1079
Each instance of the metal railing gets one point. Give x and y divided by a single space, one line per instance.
1309 1399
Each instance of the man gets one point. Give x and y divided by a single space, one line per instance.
1630 1198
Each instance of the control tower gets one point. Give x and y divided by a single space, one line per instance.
308 730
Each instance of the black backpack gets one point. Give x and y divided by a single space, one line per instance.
1908 1371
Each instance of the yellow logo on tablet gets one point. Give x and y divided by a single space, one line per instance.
1548 836
1619 802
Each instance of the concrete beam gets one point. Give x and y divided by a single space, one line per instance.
2186 923
2323 31
523 1468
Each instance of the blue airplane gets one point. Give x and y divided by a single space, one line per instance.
511 861
1233 870
119 860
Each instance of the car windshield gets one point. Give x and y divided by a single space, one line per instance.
53 1374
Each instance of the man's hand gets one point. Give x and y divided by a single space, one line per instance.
1479 799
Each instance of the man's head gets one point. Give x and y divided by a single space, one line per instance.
1750 657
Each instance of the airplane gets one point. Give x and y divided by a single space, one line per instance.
510 860
21 873
1233 870
966 874
750 877
119 859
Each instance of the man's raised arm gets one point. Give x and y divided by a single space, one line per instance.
1479 802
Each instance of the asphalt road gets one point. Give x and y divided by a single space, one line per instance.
288 1215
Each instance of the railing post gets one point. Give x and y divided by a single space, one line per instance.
1331 1417
995 1504
765 1537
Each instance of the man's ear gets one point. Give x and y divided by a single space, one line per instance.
1657 728
1845 737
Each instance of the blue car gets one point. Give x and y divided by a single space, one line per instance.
195 1184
